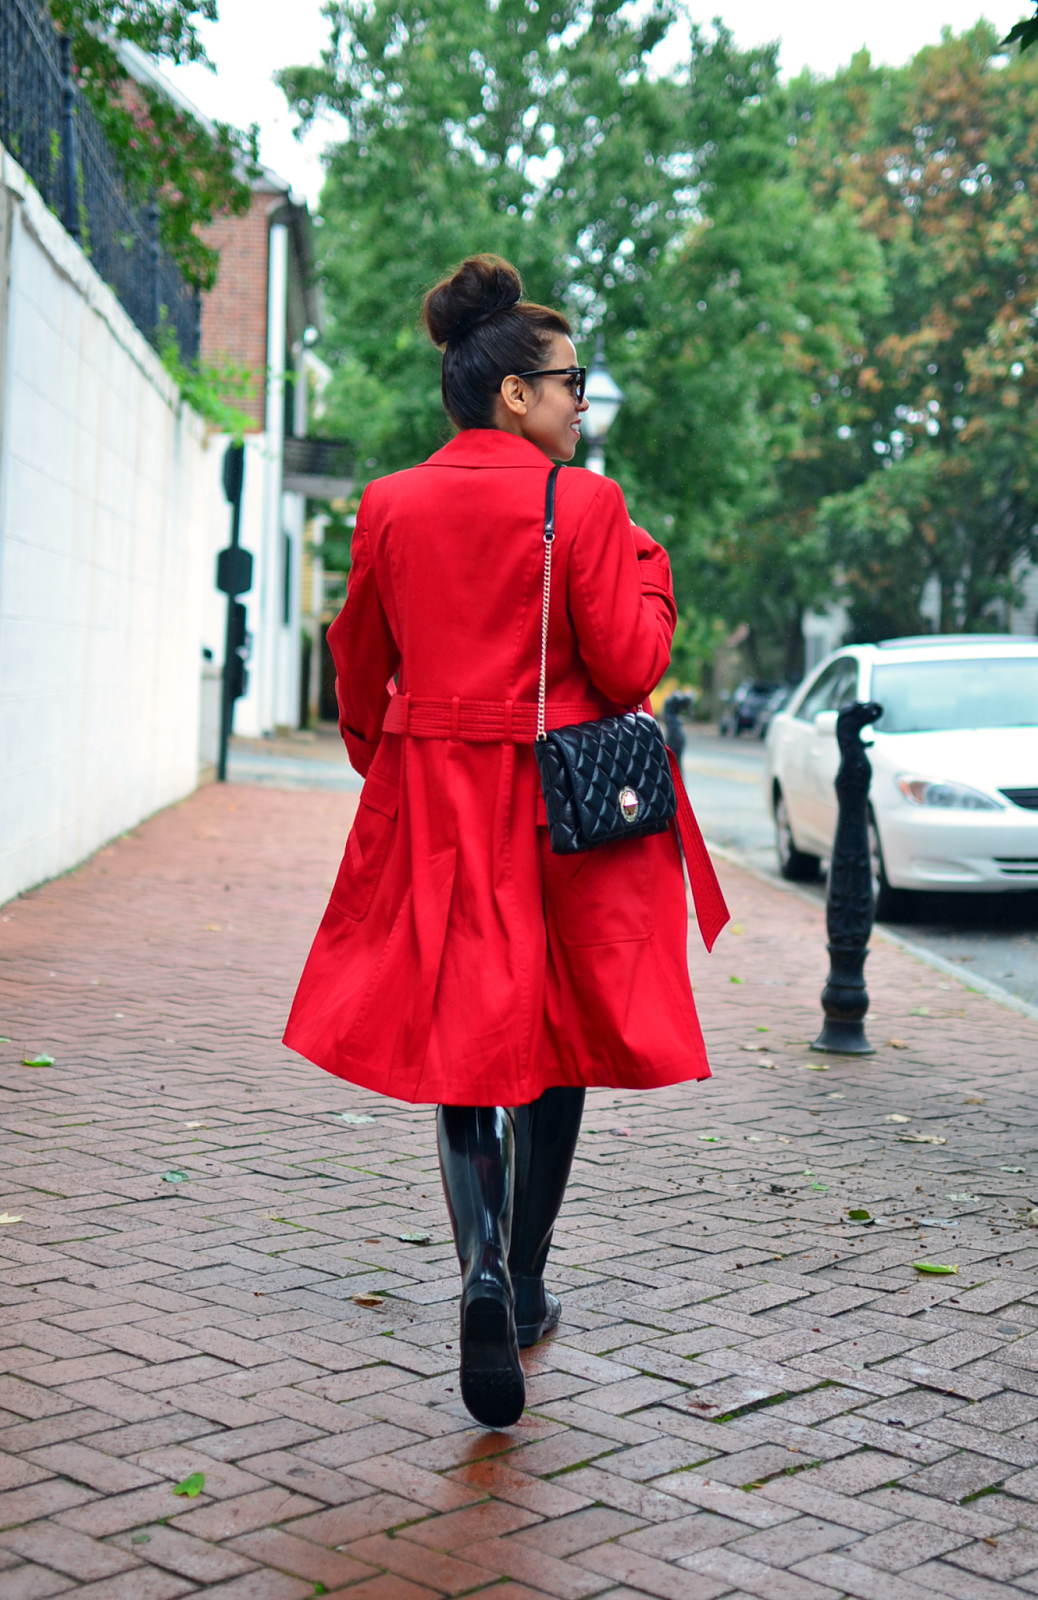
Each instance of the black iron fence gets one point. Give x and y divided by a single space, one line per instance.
50 130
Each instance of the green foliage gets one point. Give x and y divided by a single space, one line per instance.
195 172
215 387
817 297
1023 33
937 160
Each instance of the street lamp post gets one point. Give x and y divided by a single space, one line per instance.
604 398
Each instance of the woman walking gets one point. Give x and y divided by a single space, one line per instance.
461 962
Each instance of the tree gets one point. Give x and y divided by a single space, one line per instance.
475 127
740 380
937 161
545 136
194 171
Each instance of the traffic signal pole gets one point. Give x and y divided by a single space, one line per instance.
233 577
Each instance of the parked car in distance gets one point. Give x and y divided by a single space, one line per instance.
745 706
775 702
954 798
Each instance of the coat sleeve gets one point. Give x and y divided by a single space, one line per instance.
621 599
364 652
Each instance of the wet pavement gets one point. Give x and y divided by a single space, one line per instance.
229 1358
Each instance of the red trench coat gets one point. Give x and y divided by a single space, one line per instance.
460 961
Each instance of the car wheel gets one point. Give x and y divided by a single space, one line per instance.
796 866
888 904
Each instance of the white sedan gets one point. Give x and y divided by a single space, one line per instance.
954 797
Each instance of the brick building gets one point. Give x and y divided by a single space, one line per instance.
260 315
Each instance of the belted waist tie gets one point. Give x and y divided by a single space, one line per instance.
480 721
515 722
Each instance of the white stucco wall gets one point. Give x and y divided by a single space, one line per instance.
108 505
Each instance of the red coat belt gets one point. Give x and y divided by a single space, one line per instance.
511 721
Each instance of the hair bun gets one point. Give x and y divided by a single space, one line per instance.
481 286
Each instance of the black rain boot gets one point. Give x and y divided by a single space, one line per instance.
476 1147
545 1139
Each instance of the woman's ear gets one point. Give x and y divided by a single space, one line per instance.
515 395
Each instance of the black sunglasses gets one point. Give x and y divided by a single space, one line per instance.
576 375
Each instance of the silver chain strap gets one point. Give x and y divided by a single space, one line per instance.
549 540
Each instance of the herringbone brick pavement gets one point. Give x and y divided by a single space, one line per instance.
750 1393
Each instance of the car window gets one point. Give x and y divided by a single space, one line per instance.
845 690
939 696
825 694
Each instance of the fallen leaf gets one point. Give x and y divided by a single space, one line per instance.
817 1066
372 1300
708 1138
921 1138
859 1215
898 1044
5 1216
196 1124
734 980
212 927
3 1037
1032 1217
415 1238
736 927
754 1138
354 1118
974 1100
753 1048
1010 1169
933 1267
766 1061
782 1139
964 1197
895 1116
176 1176
820 1186
762 1027
37 1061
191 1486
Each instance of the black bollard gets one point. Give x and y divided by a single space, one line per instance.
676 706
849 902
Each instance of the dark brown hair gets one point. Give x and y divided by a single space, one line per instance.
486 330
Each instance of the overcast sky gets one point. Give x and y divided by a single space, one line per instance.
254 37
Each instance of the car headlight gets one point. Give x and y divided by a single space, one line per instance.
947 796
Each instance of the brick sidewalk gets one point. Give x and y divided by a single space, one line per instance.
749 1394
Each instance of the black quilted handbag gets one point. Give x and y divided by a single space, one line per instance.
605 780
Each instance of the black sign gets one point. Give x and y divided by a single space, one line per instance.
234 570
233 472
237 678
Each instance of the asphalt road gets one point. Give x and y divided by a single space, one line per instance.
993 936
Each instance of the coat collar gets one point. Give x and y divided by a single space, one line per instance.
488 447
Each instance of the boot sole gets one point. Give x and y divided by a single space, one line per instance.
492 1383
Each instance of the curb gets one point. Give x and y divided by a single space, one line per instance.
973 984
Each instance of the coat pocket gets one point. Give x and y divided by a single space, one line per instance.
366 848
601 896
